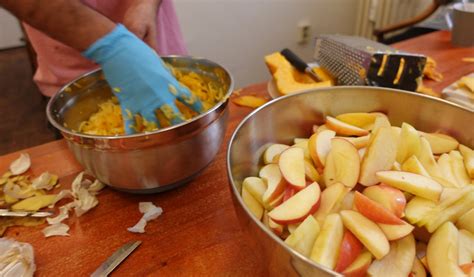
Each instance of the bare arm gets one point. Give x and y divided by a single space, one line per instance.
68 21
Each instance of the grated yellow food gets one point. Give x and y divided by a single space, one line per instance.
108 119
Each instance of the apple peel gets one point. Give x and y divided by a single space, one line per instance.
150 212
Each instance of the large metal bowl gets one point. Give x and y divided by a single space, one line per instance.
292 116
147 162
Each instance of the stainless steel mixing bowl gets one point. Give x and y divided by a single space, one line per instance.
293 116
146 162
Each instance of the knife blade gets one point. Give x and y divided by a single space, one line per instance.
117 257
6 212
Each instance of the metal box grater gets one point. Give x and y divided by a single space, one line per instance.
359 61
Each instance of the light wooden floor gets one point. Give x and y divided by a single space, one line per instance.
23 120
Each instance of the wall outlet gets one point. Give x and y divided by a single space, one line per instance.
304 32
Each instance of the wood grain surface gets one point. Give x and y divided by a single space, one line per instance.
198 234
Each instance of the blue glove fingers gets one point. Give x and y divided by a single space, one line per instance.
128 121
150 117
172 113
186 97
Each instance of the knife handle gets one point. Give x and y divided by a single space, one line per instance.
294 59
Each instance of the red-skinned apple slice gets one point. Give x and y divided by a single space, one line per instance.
344 129
342 164
398 262
298 207
319 145
374 211
413 183
349 251
442 252
326 247
394 232
367 232
275 182
380 155
289 192
391 198
310 171
467 268
359 267
361 120
292 167
358 142
272 151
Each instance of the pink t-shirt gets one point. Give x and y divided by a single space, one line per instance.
59 64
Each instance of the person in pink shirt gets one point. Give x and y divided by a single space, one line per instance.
72 37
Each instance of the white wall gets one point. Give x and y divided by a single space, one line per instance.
239 33
10 32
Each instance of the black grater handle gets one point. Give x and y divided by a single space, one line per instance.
294 59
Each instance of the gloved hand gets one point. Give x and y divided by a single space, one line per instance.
139 79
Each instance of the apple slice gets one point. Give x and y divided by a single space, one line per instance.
272 151
342 164
380 122
331 200
303 237
298 207
374 211
394 232
310 172
367 232
459 171
417 208
380 155
446 171
348 201
391 198
468 269
468 155
256 187
442 252
362 153
413 183
326 247
396 166
275 182
398 262
252 204
300 140
440 143
349 251
418 270
361 120
319 145
466 221
303 145
359 267
358 142
452 213
426 158
344 129
409 143
289 192
292 167
466 247
413 165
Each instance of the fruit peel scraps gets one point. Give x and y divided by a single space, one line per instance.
16 258
57 229
150 212
20 165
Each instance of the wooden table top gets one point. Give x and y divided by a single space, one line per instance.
198 233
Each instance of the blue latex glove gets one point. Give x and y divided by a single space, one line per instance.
139 78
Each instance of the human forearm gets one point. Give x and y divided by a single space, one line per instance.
68 21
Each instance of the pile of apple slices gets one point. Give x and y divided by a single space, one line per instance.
362 197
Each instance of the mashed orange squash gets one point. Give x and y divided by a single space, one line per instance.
108 119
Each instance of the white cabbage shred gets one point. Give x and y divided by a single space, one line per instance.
150 212
16 258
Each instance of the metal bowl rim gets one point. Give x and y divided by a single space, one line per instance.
157 132
282 98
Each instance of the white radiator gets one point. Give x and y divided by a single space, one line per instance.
373 14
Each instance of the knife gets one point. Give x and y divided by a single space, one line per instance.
6 212
299 64
113 261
